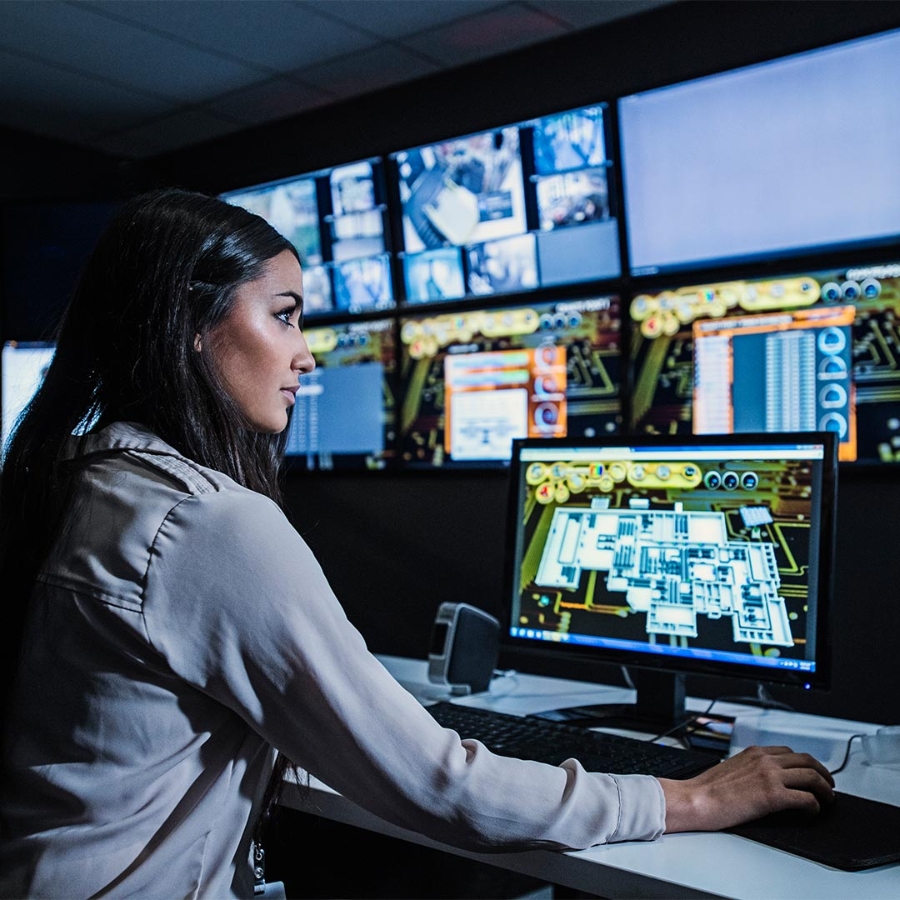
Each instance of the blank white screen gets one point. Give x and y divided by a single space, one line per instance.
794 154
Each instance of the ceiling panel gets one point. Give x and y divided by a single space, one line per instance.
140 77
266 101
77 37
52 101
274 35
475 37
369 70
393 21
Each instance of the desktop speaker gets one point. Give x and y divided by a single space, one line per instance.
465 642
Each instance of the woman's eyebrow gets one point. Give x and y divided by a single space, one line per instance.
297 298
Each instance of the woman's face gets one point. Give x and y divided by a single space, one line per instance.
259 349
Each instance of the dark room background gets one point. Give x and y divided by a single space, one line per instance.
395 545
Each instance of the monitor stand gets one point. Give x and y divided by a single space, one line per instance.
659 709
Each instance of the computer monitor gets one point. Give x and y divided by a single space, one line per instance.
24 365
336 219
473 379
789 156
344 414
676 555
508 210
813 350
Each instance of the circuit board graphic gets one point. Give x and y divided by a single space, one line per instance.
685 554
472 381
664 355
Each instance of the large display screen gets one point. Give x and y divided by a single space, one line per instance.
808 351
344 414
472 380
509 210
790 156
24 365
336 220
697 554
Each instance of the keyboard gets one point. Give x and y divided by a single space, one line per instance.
528 737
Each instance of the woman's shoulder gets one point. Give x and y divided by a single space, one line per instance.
133 468
125 445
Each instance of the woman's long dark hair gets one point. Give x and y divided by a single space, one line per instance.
165 270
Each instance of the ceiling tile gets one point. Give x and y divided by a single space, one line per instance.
368 71
585 13
274 35
397 20
120 53
57 102
180 129
266 101
498 31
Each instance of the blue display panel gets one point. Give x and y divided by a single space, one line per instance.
336 220
805 351
473 380
344 414
790 156
508 210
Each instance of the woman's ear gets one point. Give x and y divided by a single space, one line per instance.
197 345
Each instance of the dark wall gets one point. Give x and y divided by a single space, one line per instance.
55 198
41 169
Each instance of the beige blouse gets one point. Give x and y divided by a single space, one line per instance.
182 633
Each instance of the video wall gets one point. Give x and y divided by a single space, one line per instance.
713 256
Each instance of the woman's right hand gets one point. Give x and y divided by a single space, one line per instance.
753 783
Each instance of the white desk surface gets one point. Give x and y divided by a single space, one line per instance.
677 865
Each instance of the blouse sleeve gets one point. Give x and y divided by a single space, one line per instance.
241 609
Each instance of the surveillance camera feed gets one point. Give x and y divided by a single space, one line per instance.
809 351
335 219
473 380
343 417
508 210
696 554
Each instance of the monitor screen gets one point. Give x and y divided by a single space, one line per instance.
802 352
336 220
474 379
706 554
508 210
343 417
24 366
797 154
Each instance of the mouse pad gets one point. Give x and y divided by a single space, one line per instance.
854 834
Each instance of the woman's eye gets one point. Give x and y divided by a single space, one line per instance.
285 316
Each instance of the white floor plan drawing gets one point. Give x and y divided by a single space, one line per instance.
674 565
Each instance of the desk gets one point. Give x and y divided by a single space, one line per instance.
688 865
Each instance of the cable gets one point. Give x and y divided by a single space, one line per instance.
843 765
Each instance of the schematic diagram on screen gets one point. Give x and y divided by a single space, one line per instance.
674 565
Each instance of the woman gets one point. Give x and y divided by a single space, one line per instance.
177 632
